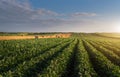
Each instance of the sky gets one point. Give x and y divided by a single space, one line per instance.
59 15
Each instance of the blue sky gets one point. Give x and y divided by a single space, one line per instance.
77 5
59 15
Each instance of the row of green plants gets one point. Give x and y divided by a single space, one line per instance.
84 67
16 61
103 66
84 56
34 50
15 47
58 65
110 46
108 53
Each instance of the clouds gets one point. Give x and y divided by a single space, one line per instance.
84 14
46 12
20 16
14 11
22 11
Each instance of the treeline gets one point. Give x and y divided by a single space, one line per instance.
30 33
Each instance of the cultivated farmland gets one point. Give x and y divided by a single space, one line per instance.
15 37
81 55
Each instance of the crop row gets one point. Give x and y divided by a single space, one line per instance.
13 65
59 58
103 66
111 47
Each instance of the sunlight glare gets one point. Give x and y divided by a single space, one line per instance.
117 28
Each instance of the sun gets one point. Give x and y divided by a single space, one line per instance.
117 28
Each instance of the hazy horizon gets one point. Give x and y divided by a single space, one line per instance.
60 16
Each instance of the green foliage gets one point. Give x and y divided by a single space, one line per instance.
82 55
102 65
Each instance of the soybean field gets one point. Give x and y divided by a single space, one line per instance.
81 55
